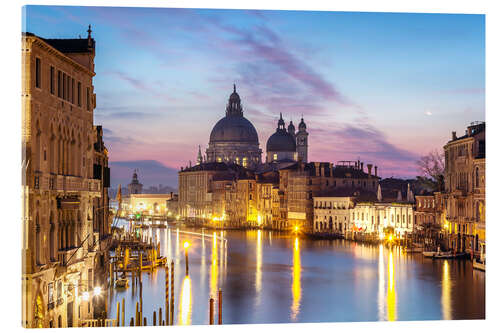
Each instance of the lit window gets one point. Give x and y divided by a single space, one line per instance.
245 161
219 159
275 157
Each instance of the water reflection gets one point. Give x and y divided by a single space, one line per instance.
258 269
446 292
185 303
214 270
381 283
296 287
392 314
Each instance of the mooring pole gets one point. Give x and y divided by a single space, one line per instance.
118 314
220 307
167 286
123 311
172 292
211 315
159 317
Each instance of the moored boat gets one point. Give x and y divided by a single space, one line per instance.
121 283
480 265
429 254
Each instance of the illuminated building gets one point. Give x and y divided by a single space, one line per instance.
65 183
464 177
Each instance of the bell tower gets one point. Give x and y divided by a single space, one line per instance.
302 141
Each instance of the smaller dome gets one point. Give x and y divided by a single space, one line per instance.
281 141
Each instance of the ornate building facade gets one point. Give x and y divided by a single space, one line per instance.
65 180
233 138
465 206
135 187
286 144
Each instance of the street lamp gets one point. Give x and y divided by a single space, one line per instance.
186 247
296 229
97 291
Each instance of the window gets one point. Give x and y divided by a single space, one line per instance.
52 90
72 91
88 99
64 86
38 73
275 157
79 94
59 86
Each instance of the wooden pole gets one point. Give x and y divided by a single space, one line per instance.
140 294
172 293
123 311
211 315
145 322
167 286
137 319
220 307
154 318
118 314
131 321
159 317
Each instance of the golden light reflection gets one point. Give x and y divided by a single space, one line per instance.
391 291
214 269
185 303
381 283
258 270
296 287
446 292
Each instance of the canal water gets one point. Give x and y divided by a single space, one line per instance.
268 277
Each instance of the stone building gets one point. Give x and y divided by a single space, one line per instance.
465 188
233 138
332 212
300 182
65 180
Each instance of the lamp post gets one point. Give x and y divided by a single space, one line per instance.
186 247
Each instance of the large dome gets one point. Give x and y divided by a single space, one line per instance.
234 129
281 141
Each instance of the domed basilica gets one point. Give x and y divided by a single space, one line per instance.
234 140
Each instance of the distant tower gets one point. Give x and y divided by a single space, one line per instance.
199 159
291 129
135 187
302 141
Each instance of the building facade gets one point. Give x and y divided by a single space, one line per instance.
465 188
65 180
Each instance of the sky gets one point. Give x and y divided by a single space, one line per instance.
385 88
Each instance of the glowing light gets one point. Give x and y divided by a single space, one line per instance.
85 295
390 238
296 228
186 244
185 303
97 291
214 270
296 286
381 283
391 292
258 268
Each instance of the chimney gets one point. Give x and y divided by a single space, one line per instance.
361 168
369 166
376 167
453 135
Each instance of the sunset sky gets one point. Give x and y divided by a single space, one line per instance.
384 88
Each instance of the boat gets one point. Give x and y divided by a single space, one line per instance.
429 254
480 265
414 249
121 283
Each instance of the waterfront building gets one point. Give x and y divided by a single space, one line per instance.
465 188
151 204
382 218
65 181
332 212
233 138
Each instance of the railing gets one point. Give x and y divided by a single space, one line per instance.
65 183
